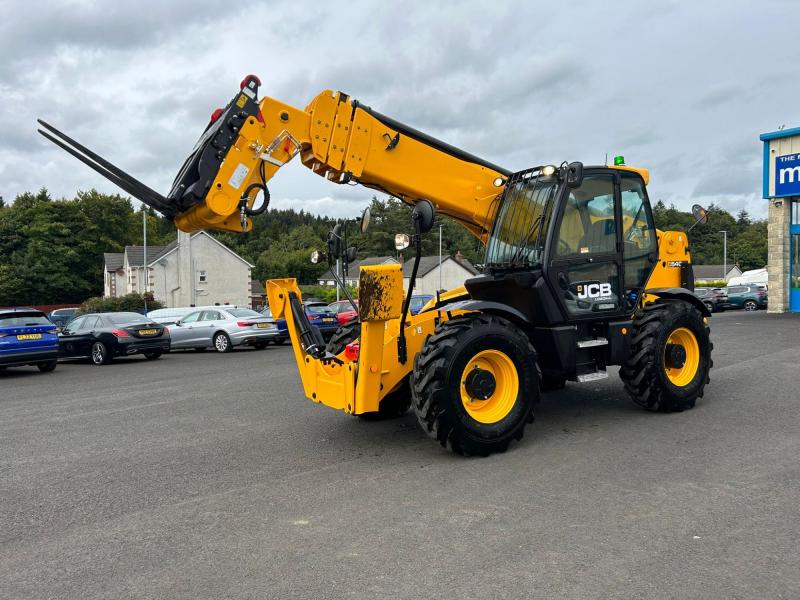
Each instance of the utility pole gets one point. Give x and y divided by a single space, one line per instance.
724 254
440 256
144 258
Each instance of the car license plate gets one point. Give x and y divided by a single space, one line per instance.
29 336
262 325
148 331
328 320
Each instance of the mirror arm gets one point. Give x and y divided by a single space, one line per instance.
402 352
341 284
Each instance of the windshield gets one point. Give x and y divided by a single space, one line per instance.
526 205
22 319
318 308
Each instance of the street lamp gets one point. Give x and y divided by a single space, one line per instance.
724 254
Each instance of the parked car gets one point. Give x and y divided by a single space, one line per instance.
418 301
322 317
223 328
170 316
283 330
714 298
103 336
27 337
344 311
748 297
61 316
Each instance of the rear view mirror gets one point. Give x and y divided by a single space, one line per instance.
423 215
700 214
335 241
364 220
573 174
350 255
401 241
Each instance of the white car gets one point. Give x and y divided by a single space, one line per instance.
223 328
168 316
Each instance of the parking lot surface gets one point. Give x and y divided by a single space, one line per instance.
211 476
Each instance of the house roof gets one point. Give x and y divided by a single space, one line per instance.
171 247
429 263
713 271
354 268
113 260
135 254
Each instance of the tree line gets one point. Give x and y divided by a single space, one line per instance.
51 250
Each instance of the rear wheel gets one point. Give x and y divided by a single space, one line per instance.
750 305
222 343
670 357
152 355
475 383
100 354
346 334
279 341
47 366
260 345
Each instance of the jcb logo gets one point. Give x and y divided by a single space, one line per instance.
594 290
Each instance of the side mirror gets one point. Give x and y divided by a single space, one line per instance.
700 214
350 254
364 220
401 241
335 241
422 216
573 174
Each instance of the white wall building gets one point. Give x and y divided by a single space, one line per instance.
196 269
454 271
354 269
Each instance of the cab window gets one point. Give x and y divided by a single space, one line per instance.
587 225
639 239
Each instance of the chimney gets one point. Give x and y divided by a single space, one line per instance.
459 257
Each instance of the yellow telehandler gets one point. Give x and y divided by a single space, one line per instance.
576 276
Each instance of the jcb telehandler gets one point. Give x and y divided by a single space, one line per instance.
576 277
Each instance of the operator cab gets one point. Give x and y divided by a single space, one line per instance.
570 248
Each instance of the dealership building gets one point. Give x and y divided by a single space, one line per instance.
782 190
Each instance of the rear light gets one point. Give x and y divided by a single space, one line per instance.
761 294
244 323
52 331
215 115
351 351
120 333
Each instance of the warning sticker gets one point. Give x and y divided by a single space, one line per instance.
241 101
238 177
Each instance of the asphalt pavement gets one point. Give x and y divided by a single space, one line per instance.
211 476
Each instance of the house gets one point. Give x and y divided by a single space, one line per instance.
258 297
353 269
195 269
706 273
454 271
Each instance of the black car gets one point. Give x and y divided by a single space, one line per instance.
103 336
715 299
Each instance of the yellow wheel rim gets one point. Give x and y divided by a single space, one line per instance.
681 345
506 386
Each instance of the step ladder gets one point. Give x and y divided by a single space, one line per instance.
590 360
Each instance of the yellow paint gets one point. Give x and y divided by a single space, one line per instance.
645 173
684 375
499 404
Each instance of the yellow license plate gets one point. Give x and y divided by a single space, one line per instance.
262 325
148 331
30 336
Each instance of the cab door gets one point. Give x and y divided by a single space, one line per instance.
585 267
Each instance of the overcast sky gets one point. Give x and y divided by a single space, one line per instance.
683 88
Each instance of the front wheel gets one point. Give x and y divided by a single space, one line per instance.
670 357
750 305
474 384
222 343
47 366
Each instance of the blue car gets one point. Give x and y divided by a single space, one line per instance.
319 315
27 337
418 301
283 330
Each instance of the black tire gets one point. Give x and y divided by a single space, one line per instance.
221 341
644 373
152 355
346 334
750 305
552 383
710 307
48 366
100 355
395 404
436 383
279 341
260 345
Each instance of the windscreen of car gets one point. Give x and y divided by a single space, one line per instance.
23 319
318 309
418 302
266 312
126 318
243 312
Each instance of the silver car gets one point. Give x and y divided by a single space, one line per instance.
223 328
